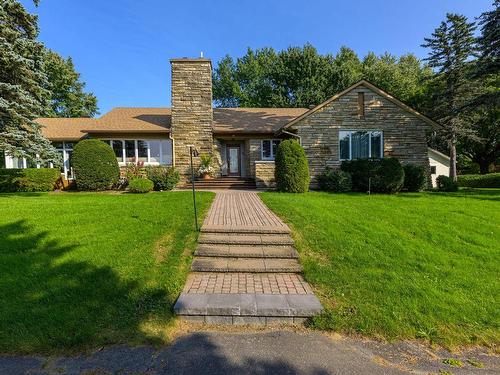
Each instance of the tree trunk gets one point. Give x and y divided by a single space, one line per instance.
484 166
453 160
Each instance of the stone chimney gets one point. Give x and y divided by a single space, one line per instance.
191 110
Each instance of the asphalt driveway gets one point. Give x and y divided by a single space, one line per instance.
271 352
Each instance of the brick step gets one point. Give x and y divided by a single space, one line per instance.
227 264
244 251
240 308
225 187
245 239
229 229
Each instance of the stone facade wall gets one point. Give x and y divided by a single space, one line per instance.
191 111
264 174
404 134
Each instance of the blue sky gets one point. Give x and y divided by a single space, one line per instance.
122 47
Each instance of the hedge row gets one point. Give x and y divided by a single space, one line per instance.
491 180
29 179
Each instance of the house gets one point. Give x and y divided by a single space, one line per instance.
361 122
439 164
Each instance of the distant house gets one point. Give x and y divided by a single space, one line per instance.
439 164
361 122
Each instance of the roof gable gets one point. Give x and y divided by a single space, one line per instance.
373 88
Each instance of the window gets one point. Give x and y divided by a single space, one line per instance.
154 151
117 147
269 148
130 151
65 149
150 152
356 144
142 151
433 169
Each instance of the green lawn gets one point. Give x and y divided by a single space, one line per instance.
422 265
82 270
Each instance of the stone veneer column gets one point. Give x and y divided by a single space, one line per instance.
191 110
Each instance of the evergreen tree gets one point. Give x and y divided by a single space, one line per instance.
484 111
23 96
67 98
452 44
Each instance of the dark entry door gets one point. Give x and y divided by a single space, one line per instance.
233 160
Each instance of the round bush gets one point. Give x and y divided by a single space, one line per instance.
95 165
292 170
445 183
140 185
360 170
415 177
335 180
164 178
388 177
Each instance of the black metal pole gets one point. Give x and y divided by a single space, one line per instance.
194 193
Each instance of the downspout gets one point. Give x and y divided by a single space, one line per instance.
293 135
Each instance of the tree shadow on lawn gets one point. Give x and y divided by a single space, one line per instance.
50 304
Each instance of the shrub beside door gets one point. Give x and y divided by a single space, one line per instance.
292 169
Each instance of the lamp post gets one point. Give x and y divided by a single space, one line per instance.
193 152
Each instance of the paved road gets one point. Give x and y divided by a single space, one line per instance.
274 352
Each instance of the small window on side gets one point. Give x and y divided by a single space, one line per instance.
433 169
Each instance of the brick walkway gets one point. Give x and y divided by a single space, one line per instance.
241 211
219 282
246 268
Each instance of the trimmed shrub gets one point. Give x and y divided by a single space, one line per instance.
360 171
164 178
29 179
445 183
415 177
292 170
95 165
335 180
387 175
490 180
140 185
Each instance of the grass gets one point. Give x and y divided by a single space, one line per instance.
421 265
81 270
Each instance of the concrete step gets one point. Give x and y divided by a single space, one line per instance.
246 251
245 239
247 308
226 264
229 229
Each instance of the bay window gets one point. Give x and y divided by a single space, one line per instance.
360 144
269 148
150 152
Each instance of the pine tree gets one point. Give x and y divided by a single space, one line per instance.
23 96
489 41
484 111
452 44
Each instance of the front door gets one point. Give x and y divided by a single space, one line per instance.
233 160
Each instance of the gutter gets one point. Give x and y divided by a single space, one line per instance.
293 135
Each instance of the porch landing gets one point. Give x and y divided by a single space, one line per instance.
246 269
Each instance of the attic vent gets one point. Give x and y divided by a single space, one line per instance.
361 104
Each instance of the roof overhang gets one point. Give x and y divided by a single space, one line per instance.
122 131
